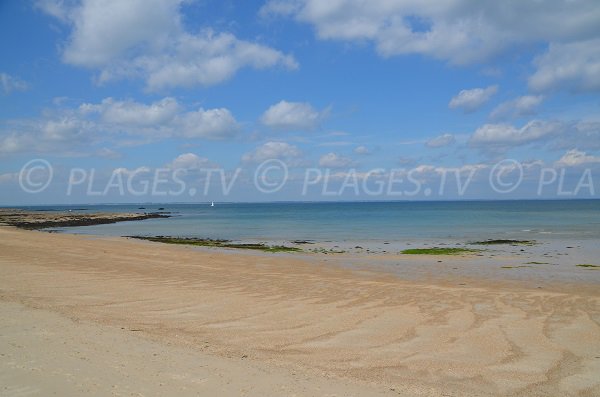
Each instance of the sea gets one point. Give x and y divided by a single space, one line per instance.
357 221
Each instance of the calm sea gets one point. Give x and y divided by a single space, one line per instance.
361 221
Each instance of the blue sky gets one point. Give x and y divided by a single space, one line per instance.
359 92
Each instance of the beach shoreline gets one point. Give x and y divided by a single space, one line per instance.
314 316
541 263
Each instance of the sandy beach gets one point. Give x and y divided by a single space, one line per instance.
117 316
300 198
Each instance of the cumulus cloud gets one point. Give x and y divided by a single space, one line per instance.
572 66
210 124
460 31
286 152
554 134
59 134
334 160
407 161
582 134
9 83
574 157
362 150
11 144
108 153
522 106
164 118
190 162
67 129
146 39
505 136
471 100
134 113
132 172
292 116
463 31
441 141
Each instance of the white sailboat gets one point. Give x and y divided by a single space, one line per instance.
212 203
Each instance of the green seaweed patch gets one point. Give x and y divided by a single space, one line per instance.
205 242
439 251
537 263
588 266
504 241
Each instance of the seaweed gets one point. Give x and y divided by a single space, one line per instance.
513 267
207 242
439 251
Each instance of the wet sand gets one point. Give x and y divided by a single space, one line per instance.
273 324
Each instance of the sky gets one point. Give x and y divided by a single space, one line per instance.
203 100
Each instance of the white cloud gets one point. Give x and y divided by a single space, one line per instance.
65 129
55 8
441 141
553 134
75 131
103 30
190 162
134 113
59 134
471 100
146 39
574 157
12 143
334 160
504 136
573 66
164 118
457 30
362 150
292 116
210 124
10 83
130 173
406 160
108 153
464 31
584 134
274 150
522 106
208 59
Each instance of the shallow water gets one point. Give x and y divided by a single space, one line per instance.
362 221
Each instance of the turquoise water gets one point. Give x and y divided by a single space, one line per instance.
362 221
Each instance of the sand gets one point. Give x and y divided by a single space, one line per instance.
87 313
46 354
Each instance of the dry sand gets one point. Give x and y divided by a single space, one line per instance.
127 317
